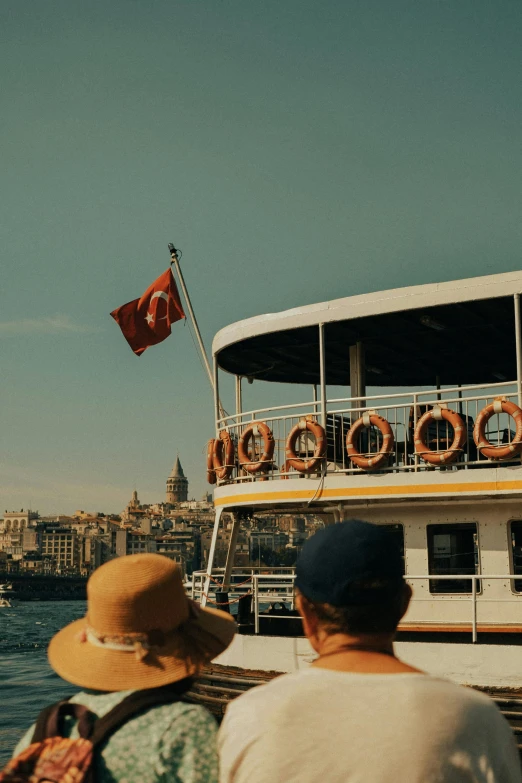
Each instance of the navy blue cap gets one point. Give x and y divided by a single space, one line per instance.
350 563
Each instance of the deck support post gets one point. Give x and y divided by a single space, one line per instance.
518 343
357 375
211 554
217 406
322 373
239 399
229 564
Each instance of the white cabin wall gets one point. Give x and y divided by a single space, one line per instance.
497 603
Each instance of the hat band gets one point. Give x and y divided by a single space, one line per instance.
138 643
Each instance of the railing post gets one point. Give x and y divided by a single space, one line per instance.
518 344
256 603
415 456
322 372
474 615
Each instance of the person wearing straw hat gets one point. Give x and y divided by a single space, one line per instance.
141 632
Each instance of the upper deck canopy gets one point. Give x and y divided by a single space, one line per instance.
462 331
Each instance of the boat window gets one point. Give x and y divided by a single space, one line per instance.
516 544
397 532
452 549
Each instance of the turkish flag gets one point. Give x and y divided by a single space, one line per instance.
147 321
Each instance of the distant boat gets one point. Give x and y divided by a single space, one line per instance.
6 587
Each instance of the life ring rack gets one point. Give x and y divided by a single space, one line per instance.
256 429
308 424
489 450
224 455
370 461
446 456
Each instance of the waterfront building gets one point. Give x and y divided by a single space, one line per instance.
220 552
30 540
183 546
177 485
35 563
15 521
269 539
132 542
63 545
56 519
133 510
95 549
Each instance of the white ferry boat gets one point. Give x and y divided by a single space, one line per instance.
407 413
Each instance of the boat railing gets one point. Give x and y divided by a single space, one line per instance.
402 410
278 587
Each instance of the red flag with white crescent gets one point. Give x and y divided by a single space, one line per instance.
147 321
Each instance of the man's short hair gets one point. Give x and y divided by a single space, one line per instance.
375 618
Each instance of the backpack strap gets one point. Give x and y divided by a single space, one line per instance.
133 704
50 722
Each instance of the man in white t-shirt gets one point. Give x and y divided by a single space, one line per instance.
358 714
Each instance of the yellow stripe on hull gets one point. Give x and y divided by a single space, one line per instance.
369 492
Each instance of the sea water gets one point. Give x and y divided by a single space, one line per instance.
27 682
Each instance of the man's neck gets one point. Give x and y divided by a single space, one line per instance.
370 654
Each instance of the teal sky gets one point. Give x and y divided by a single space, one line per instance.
295 150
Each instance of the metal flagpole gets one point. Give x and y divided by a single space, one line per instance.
219 411
175 261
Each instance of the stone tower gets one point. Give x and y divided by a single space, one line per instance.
177 484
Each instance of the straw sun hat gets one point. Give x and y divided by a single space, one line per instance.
141 630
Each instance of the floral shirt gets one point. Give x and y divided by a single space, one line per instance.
170 742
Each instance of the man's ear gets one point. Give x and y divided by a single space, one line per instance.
307 614
406 598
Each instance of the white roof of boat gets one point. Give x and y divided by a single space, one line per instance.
380 302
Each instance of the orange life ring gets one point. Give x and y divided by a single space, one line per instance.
223 455
479 431
374 461
211 473
261 464
459 438
306 465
